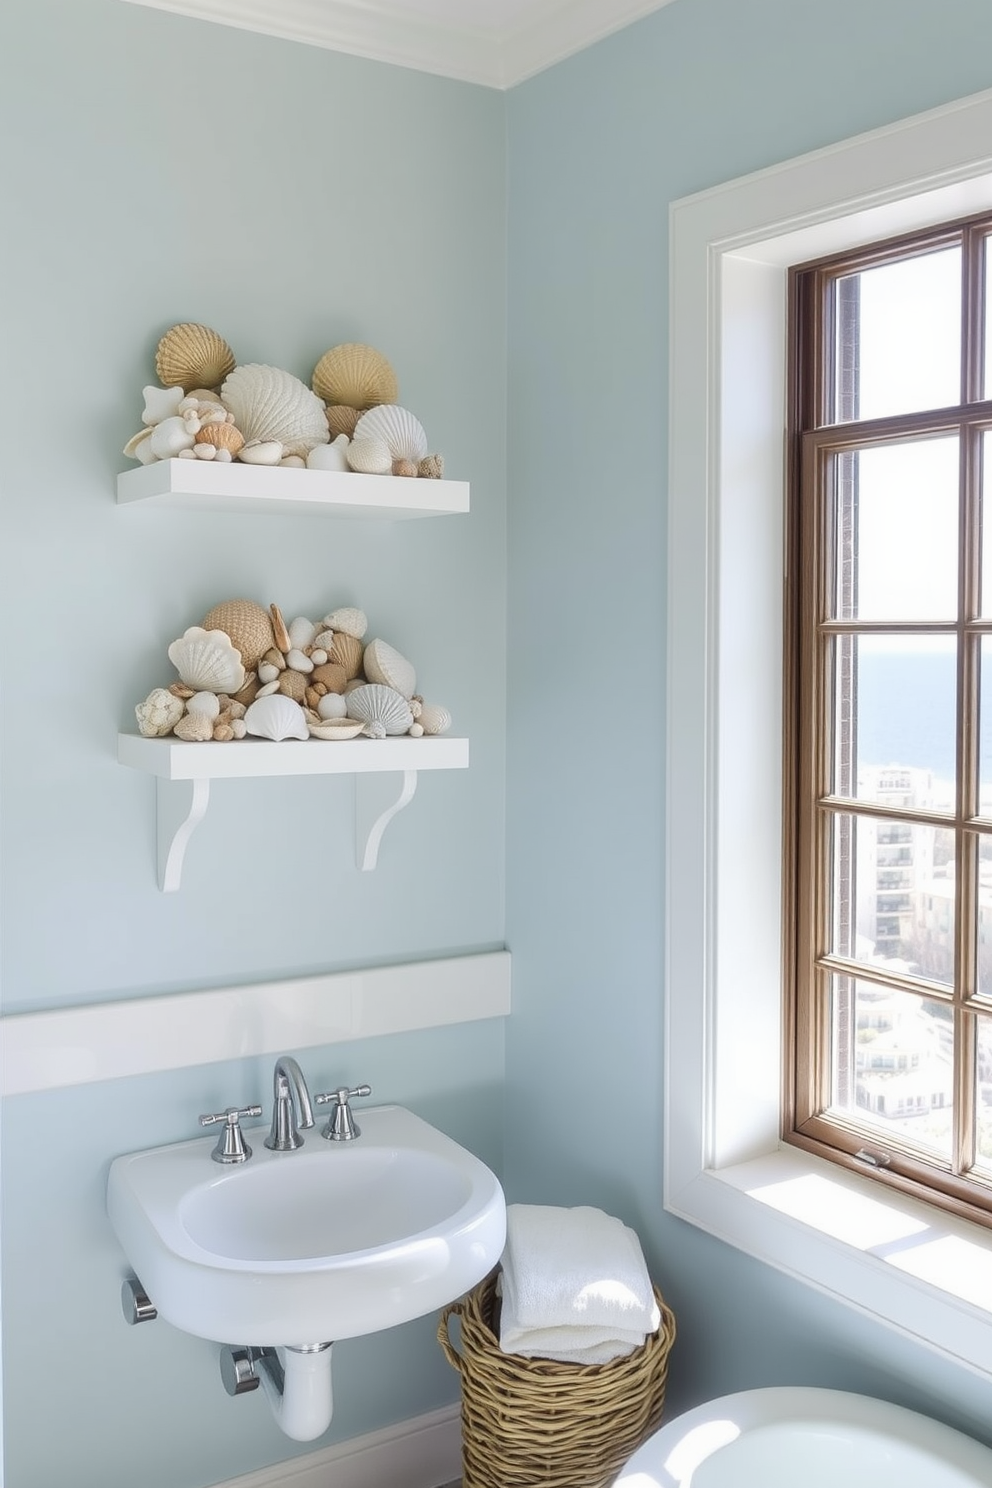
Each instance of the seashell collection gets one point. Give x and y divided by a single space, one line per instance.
245 670
211 407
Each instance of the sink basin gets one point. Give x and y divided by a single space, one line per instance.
293 1248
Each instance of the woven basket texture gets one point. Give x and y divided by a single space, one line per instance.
539 1423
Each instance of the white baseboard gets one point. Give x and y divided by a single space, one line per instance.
422 1453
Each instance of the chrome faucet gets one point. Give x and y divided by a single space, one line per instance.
291 1108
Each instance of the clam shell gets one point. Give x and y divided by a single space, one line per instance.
369 456
355 375
352 621
383 710
336 728
276 717
383 663
247 623
402 432
273 406
207 661
193 356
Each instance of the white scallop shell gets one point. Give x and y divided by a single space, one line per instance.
270 404
207 660
383 663
276 717
369 457
434 719
383 710
352 621
402 432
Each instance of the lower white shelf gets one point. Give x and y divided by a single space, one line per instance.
173 761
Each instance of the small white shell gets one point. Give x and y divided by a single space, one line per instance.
267 688
353 622
276 717
159 713
370 457
332 456
332 705
434 719
383 663
270 404
301 632
262 452
267 672
298 661
401 431
169 437
207 661
204 702
383 710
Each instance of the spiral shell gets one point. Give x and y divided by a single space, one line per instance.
383 710
248 624
273 406
355 375
193 356
207 661
276 717
402 432
383 663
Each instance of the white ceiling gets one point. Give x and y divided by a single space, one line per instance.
494 42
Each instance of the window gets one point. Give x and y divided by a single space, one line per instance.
916 1267
889 714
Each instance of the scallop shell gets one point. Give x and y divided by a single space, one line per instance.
221 436
383 710
402 431
276 717
207 660
193 356
384 664
273 406
352 621
347 651
248 624
342 420
355 375
336 728
369 456
434 719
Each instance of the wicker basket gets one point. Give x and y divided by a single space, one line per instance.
538 1423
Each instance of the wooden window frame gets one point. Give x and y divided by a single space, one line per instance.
809 805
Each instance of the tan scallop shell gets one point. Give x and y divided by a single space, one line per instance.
221 436
383 710
355 375
247 623
383 663
273 406
342 420
401 431
193 356
348 652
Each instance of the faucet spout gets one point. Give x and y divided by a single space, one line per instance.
291 1107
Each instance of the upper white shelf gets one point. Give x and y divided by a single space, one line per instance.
245 759
207 485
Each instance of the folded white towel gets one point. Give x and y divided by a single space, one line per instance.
574 1285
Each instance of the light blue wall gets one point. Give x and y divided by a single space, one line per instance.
157 169
700 92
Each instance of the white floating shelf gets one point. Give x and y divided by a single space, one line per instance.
174 760
208 485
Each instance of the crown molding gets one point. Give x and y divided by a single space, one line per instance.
421 36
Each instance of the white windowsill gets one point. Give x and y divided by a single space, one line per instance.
906 1264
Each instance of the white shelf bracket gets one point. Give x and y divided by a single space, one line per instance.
371 820
176 828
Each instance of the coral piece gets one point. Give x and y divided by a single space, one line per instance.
248 624
272 405
194 728
352 621
431 467
356 376
193 356
207 661
159 713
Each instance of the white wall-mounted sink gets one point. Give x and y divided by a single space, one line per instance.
328 1242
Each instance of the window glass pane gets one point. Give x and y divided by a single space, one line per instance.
893 701
896 531
893 1064
983 929
987 389
983 1096
985 730
986 547
893 895
898 337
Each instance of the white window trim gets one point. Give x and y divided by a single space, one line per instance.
907 1264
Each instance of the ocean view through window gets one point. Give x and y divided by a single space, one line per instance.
888 872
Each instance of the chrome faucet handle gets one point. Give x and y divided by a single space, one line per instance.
231 1145
341 1124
